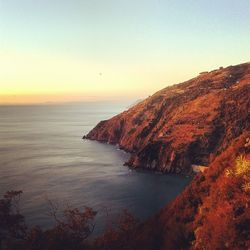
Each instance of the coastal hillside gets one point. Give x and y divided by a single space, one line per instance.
213 212
185 125
202 122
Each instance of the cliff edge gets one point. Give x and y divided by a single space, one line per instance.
185 124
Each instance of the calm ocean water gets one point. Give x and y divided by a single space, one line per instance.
42 153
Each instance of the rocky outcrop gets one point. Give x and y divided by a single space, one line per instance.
185 124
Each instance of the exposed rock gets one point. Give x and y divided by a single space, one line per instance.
184 124
199 168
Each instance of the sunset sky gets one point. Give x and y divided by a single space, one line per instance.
76 50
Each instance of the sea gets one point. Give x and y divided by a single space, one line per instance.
42 153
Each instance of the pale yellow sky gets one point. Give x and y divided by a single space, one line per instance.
57 51
27 78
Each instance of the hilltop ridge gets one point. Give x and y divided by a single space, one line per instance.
204 121
185 124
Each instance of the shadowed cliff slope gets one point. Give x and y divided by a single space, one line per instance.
213 212
188 123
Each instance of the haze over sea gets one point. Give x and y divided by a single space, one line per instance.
42 153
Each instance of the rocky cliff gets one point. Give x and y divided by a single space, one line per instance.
213 212
184 124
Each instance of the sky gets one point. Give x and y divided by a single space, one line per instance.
76 50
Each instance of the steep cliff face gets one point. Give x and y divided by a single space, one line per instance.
188 123
213 212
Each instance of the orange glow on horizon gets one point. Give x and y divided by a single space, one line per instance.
27 78
36 99
60 98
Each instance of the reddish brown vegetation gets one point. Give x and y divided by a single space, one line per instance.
188 123
203 121
69 232
214 210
